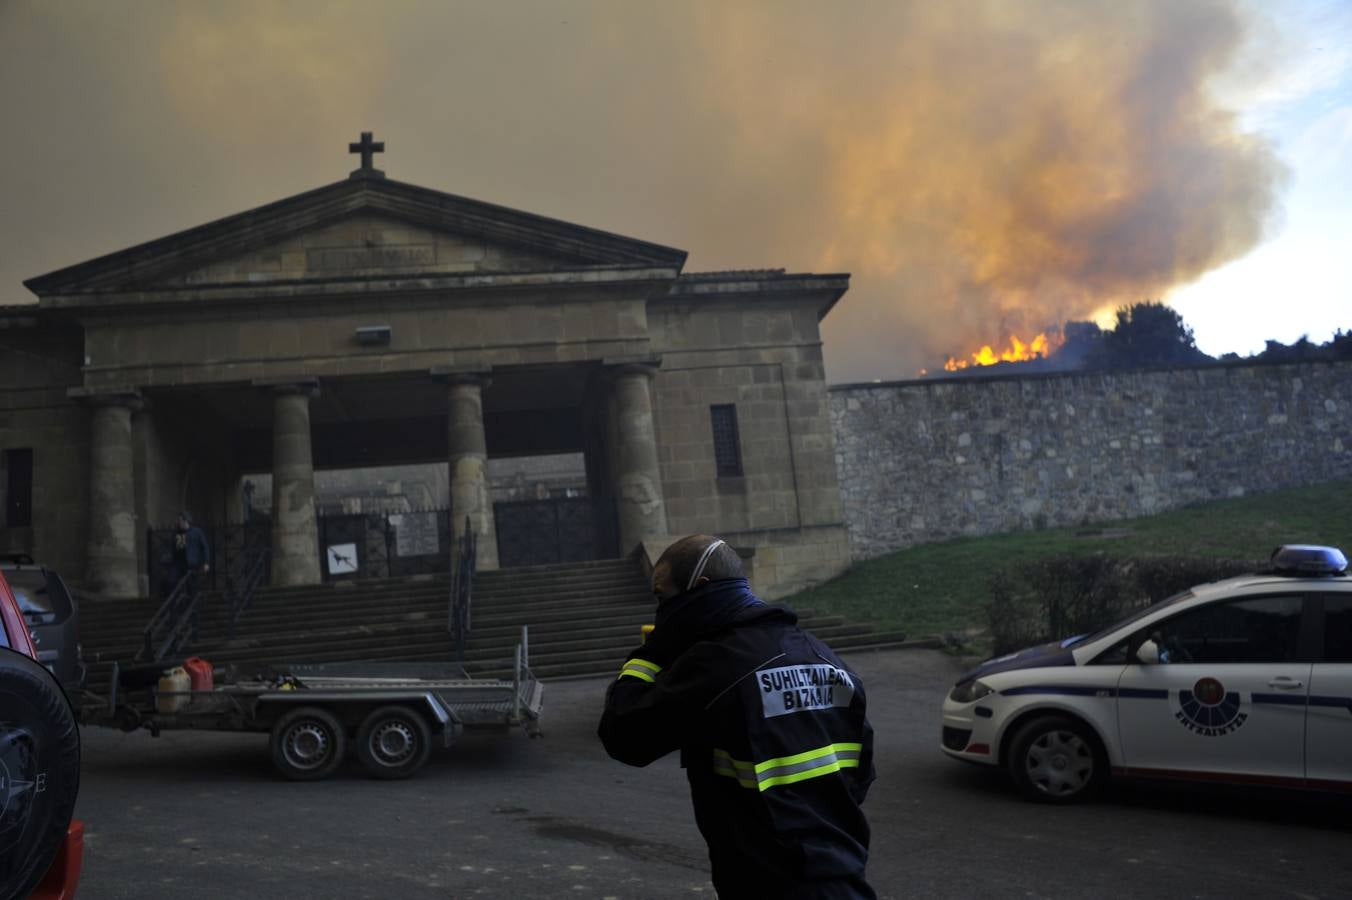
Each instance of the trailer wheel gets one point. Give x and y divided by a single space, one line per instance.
394 742
39 771
308 744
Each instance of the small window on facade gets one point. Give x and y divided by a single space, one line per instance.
19 487
727 446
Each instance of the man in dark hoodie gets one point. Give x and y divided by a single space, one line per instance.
770 724
192 557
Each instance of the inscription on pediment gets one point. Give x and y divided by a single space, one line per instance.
382 257
367 245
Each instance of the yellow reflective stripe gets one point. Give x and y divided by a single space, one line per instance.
750 775
722 756
640 668
828 750
651 668
743 772
833 766
726 766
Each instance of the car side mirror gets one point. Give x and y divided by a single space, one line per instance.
1148 654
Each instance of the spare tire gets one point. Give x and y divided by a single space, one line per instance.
39 771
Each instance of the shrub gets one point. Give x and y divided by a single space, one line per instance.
1050 599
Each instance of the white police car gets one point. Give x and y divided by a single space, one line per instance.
1247 680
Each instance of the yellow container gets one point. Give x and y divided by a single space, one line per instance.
174 686
644 631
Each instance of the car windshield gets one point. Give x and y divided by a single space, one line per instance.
1134 617
36 592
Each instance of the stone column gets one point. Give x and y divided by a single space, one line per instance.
641 510
469 467
113 564
295 534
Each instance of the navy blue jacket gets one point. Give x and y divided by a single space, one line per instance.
773 736
198 551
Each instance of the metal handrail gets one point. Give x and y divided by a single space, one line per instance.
240 592
521 677
171 626
168 628
462 589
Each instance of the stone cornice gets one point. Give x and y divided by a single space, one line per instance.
767 283
138 267
122 396
308 387
362 287
479 375
645 364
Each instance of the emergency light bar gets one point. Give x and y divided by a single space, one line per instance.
1308 559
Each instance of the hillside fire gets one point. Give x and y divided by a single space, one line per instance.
1040 347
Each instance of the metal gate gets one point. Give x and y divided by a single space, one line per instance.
539 532
228 543
384 545
351 546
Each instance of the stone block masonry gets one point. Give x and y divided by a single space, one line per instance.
924 461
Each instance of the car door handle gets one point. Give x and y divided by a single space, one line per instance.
1284 683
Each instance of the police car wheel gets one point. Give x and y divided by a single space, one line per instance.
1056 759
39 771
393 742
308 744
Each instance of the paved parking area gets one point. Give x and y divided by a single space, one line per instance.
500 815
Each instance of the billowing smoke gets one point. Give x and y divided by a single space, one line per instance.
996 168
983 168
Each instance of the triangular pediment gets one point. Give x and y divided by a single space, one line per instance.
374 246
362 227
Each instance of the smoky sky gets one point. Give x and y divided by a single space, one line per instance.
980 168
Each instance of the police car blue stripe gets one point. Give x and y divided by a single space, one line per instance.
1344 702
1281 699
1299 700
1077 690
1276 699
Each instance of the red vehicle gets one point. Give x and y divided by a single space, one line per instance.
41 848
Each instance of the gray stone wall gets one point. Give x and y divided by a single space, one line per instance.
37 365
927 460
759 351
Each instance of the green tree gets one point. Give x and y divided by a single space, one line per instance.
1146 335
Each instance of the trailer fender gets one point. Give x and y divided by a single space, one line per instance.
351 707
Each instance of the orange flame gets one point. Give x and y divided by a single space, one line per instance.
1041 346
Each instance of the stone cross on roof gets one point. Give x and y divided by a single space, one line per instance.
367 148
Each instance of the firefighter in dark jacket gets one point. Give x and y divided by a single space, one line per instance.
770 724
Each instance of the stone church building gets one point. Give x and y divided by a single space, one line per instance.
371 322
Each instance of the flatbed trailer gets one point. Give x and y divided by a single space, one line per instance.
392 714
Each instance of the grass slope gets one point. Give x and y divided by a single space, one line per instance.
936 588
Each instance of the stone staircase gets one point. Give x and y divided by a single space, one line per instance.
583 618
